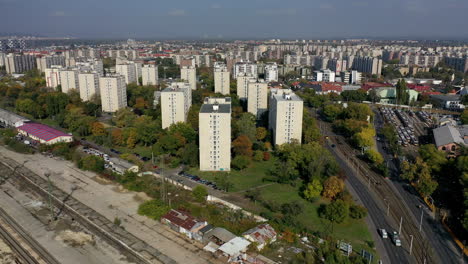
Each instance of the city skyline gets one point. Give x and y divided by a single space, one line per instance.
220 19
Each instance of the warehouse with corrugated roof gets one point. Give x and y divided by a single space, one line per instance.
44 134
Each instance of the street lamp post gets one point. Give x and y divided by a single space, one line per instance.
401 222
411 244
420 221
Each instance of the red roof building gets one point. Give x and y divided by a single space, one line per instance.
44 134
370 85
182 222
419 88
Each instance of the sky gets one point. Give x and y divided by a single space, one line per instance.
236 19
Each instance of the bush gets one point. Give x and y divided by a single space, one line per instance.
374 156
258 155
335 212
91 163
357 212
240 162
266 156
200 193
17 146
153 209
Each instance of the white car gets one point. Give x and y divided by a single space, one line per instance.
383 233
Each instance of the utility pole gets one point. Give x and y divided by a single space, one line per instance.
49 192
420 221
411 244
401 222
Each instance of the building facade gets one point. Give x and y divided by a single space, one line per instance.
68 79
175 103
129 71
149 75
271 72
257 98
215 134
285 116
243 81
189 74
221 79
89 85
17 63
52 76
113 93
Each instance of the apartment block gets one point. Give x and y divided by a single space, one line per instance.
113 93
324 76
257 98
245 67
368 65
129 71
271 72
243 85
149 75
215 134
52 76
17 63
89 85
285 116
221 79
48 61
189 74
68 79
175 103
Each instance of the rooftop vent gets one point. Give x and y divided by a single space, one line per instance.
215 107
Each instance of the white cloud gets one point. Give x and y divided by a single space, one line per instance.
177 12
277 12
216 6
58 14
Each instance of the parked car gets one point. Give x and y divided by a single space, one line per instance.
383 233
396 239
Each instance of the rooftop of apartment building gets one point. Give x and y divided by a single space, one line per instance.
216 105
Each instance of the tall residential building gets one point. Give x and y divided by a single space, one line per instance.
355 77
94 65
243 85
17 63
285 116
52 76
68 79
149 75
245 67
257 98
368 65
48 61
271 72
189 74
215 134
459 64
324 76
129 71
221 79
175 103
113 93
89 85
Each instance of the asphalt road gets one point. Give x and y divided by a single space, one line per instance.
440 240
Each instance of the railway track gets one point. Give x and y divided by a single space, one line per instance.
129 245
27 249
421 251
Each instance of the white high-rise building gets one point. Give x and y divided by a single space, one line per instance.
271 72
215 134
89 85
257 98
355 77
285 116
243 85
49 61
68 79
245 67
175 103
113 93
324 76
128 70
149 75
221 79
189 74
52 76
17 63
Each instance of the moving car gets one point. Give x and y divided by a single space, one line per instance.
396 239
383 233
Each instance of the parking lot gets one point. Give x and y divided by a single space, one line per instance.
198 180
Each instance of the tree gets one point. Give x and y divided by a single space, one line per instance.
117 137
357 211
365 138
258 155
222 181
335 212
240 162
464 115
291 209
332 186
374 156
361 112
354 96
124 118
253 194
153 209
147 129
313 189
331 112
432 156
402 95
310 131
261 133
200 193
131 136
97 129
91 163
425 184
242 146
246 126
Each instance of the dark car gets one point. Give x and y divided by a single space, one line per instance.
145 159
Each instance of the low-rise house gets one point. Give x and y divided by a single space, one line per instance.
182 222
234 249
448 138
10 119
121 166
262 235
218 235
44 134
449 102
327 87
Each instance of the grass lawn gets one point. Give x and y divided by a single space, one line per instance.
241 180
